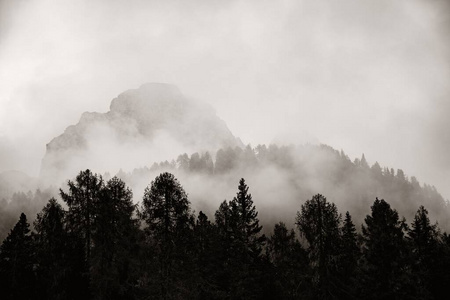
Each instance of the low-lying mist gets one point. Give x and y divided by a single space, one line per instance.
280 178
283 178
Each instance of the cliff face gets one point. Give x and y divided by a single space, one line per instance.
153 122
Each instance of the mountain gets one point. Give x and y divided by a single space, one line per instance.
157 123
151 123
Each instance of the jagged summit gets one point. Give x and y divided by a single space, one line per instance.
155 121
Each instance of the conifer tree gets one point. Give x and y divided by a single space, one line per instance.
166 212
207 249
247 243
224 251
289 261
424 238
183 162
387 273
16 262
318 222
51 242
207 163
246 228
82 199
114 240
350 254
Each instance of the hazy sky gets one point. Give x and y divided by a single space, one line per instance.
366 76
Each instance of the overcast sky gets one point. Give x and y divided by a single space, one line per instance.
366 76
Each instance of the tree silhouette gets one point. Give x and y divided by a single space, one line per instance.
424 238
114 240
16 262
385 252
246 227
289 261
82 198
51 242
247 243
166 211
318 222
350 254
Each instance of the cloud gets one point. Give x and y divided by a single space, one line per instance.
365 76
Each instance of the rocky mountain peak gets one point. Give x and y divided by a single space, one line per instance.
147 124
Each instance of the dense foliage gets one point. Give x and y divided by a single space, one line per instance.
99 245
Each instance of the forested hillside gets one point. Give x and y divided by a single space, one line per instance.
282 179
100 245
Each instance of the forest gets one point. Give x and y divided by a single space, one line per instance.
96 243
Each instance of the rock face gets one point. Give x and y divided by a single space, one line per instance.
152 123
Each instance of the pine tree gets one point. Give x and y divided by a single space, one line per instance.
207 248
166 211
224 253
318 222
424 238
82 198
387 273
114 240
207 163
246 244
246 227
240 254
183 162
290 263
195 163
51 250
363 162
350 254
16 262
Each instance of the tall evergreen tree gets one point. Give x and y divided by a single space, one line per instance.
350 254
246 244
82 198
290 263
246 227
114 240
424 238
387 274
224 252
207 257
61 265
51 250
318 222
166 211
16 262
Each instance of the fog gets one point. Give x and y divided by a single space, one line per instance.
366 76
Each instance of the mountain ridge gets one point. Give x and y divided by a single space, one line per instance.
148 117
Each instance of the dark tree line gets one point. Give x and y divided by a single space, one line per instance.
99 245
